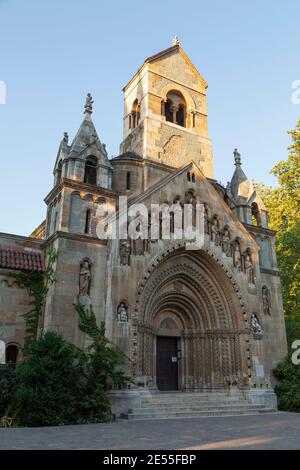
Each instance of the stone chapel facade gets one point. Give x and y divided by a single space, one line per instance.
196 320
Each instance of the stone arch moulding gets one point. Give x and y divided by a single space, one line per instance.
153 264
176 87
215 321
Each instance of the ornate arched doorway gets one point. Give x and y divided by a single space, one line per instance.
189 331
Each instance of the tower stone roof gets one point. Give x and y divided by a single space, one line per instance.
241 187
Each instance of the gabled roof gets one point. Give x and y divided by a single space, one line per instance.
192 166
173 49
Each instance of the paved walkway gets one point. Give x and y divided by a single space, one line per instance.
269 431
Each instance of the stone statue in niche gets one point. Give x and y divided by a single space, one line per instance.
237 257
124 252
190 199
226 245
138 246
266 300
255 327
249 268
84 278
215 231
122 313
206 223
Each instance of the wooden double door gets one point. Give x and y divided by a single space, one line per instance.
167 363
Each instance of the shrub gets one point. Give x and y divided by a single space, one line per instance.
7 389
288 387
49 383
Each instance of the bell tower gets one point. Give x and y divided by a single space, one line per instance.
165 117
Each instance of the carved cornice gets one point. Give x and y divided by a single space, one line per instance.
273 272
73 236
260 230
80 186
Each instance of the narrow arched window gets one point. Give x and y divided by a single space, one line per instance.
180 116
90 170
87 227
193 178
128 180
188 176
11 354
168 111
55 222
134 117
255 215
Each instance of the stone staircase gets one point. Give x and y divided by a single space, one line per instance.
163 405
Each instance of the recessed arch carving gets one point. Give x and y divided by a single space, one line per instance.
210 310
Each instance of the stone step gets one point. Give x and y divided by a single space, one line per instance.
169 401
150 404
195 414
202 407
191 399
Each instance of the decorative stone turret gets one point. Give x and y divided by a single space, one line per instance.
86 159
249 206
82 172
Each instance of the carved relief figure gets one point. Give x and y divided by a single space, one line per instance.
138 246
237 257
249 268
84 278
266 300
226 246
174 150
255 327
191 199
215 231
122 314
206 216
124 252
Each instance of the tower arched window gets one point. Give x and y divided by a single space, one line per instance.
175 108
128 180
90 170
255 215
87 228
134 117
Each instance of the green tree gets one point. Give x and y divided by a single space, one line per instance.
49 383
288 386
283 205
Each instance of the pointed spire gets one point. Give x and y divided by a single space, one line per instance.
237 158
88 107
240 184
175 40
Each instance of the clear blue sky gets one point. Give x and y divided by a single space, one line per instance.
53 52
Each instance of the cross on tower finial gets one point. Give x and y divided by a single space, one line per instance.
237 157
175 40
88 107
